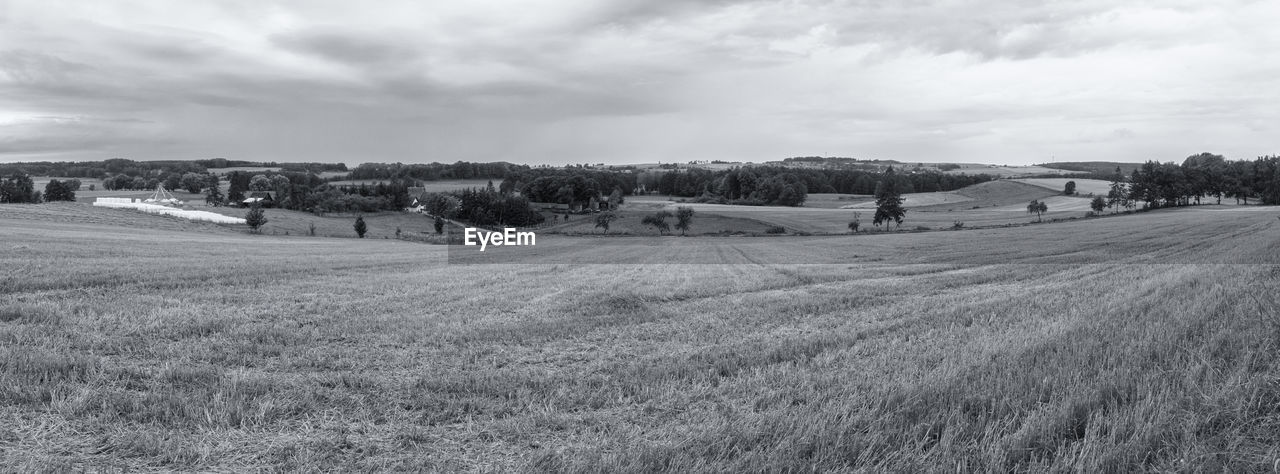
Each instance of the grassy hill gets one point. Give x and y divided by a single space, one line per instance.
1104 168
1141 342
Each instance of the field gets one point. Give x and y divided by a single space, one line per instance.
1141 342
1006 171
1083 186
995 203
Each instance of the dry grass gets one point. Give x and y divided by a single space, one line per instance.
1144 342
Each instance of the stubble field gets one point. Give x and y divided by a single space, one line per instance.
1144 342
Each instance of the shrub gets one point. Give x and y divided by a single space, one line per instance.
255 218
360 227
777 229
957 225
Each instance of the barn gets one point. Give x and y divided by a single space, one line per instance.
261 198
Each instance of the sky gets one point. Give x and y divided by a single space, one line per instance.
638 81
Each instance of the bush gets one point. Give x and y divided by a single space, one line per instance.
255 218
360 226
777 229
957 225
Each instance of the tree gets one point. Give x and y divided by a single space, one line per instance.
857 221
1036 207
439 225
658 220
280 184
213 194
260 182
193 182
1098 204
888 200
442 205
1070 188
1118 196
360 227
684 217
603 219
17 188
239 183
58 191
615 198
255 218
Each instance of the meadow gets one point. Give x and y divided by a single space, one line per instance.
990 204
1146 342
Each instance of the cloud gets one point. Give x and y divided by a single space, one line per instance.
572 81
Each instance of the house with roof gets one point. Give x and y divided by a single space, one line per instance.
260 198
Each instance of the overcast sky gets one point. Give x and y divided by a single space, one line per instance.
567 81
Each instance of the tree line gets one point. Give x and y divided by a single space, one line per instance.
1205 175
568 185
435 171
788 186
149 170
480 206
19 188
309 192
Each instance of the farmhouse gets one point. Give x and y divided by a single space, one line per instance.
261 198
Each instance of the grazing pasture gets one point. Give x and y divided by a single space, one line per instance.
1141 342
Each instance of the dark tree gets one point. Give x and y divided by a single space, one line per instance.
1070 188
213 194
58 191
256 218
17 188
1098 204
239 184
360 227
439 224
193 182
603 219
684 217
888 201
1118 196
1036 207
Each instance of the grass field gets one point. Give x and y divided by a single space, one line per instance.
1083 186
1006 171
994 203
1142 342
